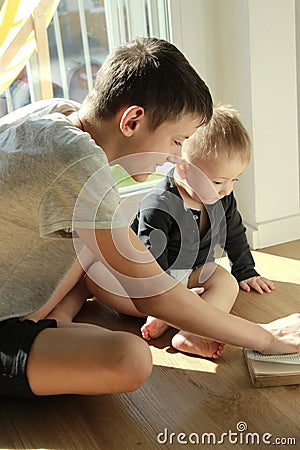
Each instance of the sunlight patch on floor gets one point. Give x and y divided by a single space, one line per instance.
181 361
274 267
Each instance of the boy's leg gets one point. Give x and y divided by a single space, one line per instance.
83 358
220 290
76 287
69 296
69 307
87 359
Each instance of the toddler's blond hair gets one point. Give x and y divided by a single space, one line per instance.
224 135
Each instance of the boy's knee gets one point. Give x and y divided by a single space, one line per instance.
134 361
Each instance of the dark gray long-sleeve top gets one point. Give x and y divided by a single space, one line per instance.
170 230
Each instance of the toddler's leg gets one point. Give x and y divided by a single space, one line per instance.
153 328
220 290
77 287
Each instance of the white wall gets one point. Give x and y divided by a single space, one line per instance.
298 64
246 50
191 28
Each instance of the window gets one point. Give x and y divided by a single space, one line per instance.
80 35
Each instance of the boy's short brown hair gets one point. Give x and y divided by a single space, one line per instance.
223 135
154 74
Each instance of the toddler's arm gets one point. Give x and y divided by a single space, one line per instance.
236 245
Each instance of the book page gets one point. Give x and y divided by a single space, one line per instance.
293 358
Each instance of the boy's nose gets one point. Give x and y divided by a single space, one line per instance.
175 159
176 151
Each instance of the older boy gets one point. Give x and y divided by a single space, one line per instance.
54 168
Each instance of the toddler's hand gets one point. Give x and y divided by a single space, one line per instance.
258 283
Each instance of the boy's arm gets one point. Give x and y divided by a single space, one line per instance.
157 294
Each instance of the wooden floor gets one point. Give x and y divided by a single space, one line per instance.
184 394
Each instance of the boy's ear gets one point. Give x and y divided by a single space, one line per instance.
182 169
130 120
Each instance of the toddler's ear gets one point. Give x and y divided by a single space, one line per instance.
183 169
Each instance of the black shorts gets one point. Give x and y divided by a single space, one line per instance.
16 338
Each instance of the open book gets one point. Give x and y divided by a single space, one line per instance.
272 370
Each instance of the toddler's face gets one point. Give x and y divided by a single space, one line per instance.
221 173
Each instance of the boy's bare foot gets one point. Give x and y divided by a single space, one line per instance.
191 343
153 328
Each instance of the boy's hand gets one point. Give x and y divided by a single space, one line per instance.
286 332
259 284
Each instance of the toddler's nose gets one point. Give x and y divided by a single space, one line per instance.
225 191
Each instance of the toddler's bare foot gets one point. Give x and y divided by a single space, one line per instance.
153 328
191 343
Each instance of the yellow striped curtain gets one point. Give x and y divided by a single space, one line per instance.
21 23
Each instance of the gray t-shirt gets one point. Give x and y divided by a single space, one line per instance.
44 163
